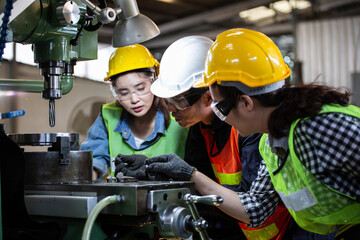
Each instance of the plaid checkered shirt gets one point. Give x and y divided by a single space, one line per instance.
329 146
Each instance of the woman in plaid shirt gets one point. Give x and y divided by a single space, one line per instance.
310 145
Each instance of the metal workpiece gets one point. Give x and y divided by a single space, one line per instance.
63 163
54 168
44 139
62 146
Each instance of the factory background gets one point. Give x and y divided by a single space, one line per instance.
53 67
322 48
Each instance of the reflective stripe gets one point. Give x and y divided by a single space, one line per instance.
314 206
274 226
299 200
227 168
227 178
227 161
264 233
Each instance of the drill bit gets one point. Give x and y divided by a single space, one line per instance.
52 112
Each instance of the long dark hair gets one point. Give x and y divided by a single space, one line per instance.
158 103
293 103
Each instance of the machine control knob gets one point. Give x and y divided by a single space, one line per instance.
201 224
107 15
176 222
68 13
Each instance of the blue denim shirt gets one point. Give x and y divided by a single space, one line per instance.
97 140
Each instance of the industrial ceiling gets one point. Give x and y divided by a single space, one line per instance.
178 18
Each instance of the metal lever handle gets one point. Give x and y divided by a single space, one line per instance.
208 199
198 223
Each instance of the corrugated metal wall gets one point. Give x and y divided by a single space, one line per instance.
329 48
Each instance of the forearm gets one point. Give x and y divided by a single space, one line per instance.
232 205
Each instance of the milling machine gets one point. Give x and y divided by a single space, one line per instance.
63 32
50 194
57 188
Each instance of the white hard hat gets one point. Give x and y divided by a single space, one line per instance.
182 64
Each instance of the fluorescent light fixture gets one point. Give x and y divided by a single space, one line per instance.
258 13
285 6
282 6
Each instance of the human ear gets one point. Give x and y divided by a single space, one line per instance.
206 98
248 103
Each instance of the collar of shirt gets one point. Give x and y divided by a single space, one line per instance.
279 146
123 127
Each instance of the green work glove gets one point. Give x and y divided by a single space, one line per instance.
169 165
131 166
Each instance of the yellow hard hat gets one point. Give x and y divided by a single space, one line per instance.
130 58
245 56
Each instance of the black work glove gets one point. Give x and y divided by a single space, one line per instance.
131 166
169 165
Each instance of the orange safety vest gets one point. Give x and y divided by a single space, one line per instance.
226 165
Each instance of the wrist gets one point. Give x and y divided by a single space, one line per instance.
192 174
186 173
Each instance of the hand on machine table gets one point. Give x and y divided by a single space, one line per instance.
169 165
131 166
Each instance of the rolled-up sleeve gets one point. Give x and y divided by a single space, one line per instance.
97 141
262 199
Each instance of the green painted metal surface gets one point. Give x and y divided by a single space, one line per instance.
34 86
39 26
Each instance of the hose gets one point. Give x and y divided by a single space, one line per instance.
4 26
95 212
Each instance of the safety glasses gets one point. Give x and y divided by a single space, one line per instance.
186 101
222 108
124 94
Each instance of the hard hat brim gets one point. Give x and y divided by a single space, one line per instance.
158 90
200 83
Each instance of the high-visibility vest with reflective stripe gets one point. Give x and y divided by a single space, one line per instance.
273 228
226 164
315 206
173 141
227 169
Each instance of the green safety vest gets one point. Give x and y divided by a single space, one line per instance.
173 141
315 206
